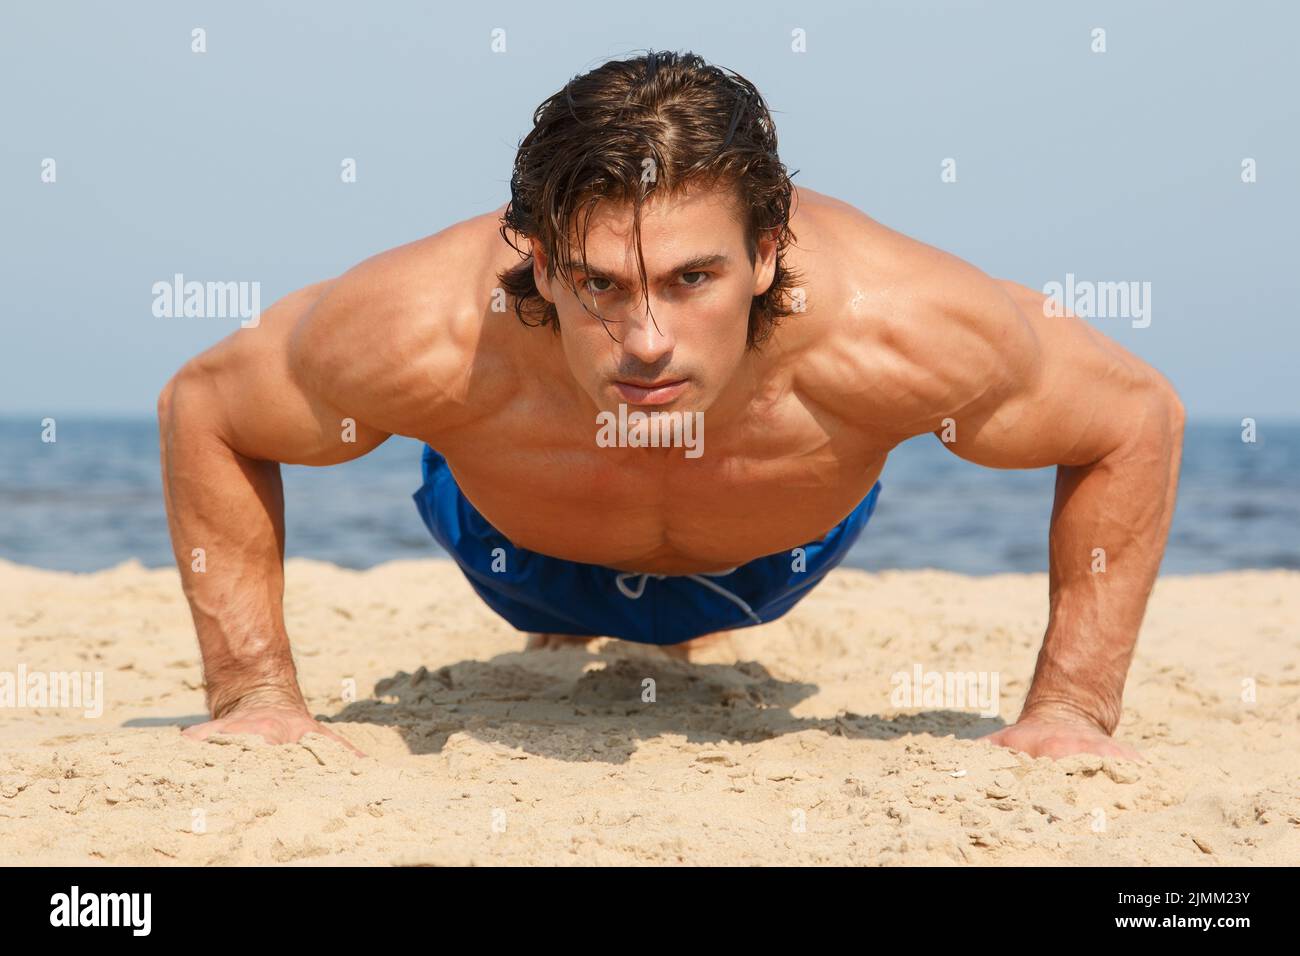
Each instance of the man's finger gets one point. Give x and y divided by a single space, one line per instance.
197 732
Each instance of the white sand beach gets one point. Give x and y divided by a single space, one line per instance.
481 753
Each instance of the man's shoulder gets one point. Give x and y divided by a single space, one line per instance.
899 329
867 278
430 283
401 331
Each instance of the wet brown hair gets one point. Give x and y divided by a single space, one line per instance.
689 124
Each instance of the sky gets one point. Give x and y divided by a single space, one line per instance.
999 132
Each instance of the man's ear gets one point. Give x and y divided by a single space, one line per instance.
540 278
765 261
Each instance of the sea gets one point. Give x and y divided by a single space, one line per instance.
92 499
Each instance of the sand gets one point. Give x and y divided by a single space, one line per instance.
481 753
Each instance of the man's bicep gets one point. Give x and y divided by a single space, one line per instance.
1059 394
250 391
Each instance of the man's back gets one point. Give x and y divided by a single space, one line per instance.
414 342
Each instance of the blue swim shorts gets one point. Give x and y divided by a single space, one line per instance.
540 593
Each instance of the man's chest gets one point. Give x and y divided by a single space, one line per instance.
656 510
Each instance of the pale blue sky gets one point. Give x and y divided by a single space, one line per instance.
1124 165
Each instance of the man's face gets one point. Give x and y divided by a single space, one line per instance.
700 287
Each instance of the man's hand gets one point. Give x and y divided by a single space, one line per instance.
274 724
1057 735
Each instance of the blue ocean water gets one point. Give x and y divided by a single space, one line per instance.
93 499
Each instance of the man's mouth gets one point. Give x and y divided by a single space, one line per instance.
651 393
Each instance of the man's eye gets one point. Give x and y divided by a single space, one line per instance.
595 290
702 275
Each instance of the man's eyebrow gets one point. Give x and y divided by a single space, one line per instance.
693 264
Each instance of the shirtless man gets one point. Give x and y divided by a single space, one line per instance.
812 339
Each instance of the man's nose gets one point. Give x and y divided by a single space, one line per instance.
648 340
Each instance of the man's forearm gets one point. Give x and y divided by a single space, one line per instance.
226 516
1109 525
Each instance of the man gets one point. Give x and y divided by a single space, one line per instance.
668 266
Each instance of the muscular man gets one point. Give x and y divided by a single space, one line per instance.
655 256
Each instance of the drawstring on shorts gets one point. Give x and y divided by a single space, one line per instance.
621 581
